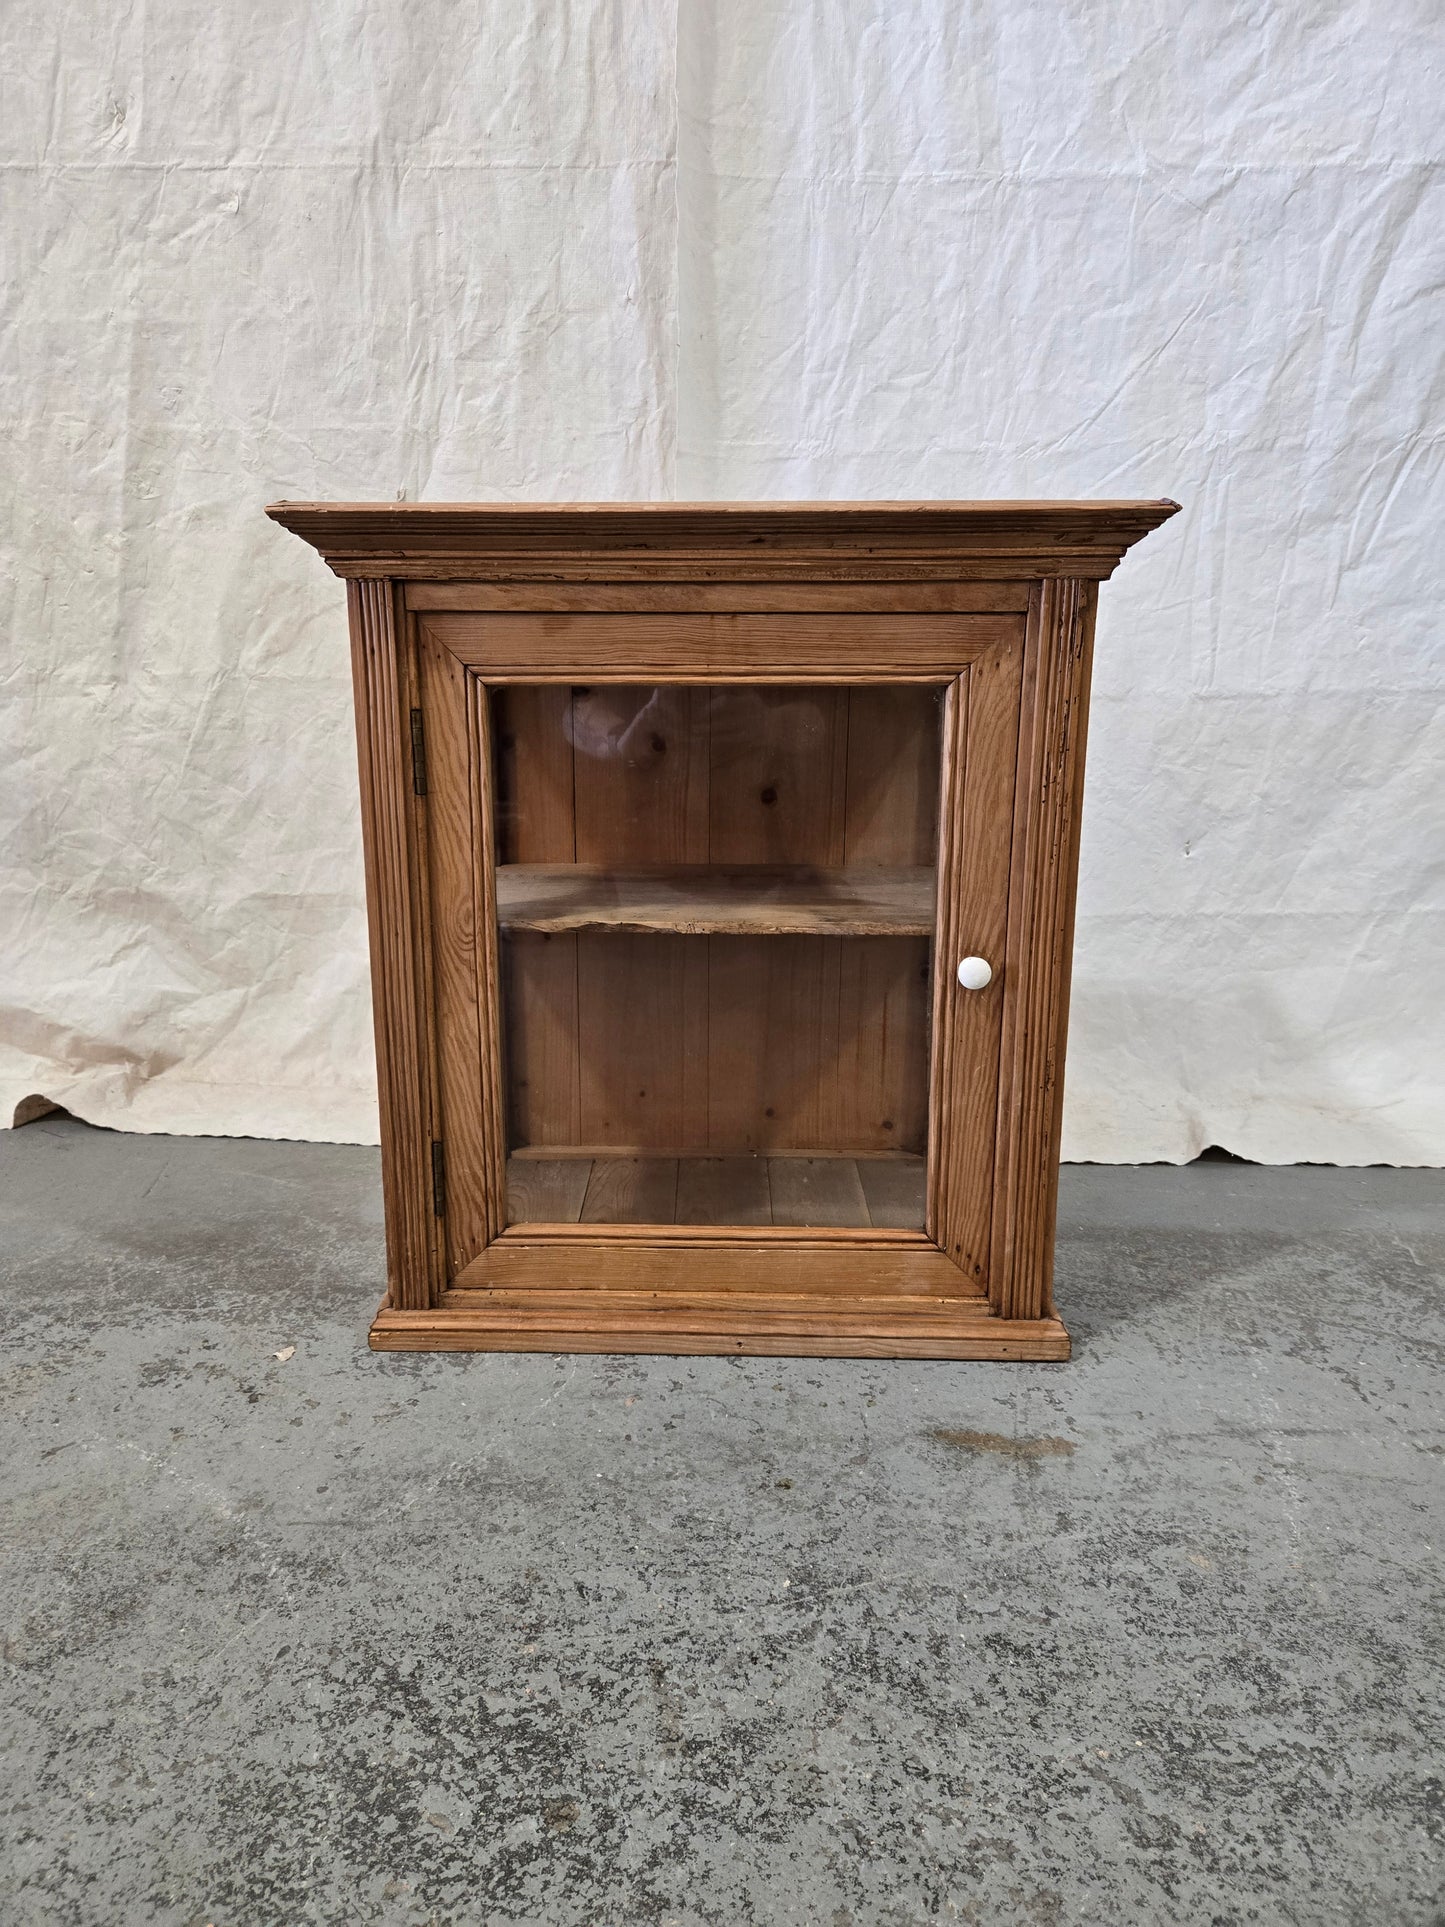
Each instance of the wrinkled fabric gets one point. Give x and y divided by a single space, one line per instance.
632 250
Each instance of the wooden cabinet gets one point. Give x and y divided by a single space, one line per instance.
720 866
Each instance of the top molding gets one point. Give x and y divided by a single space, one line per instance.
721 541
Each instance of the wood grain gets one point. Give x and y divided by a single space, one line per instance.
725 598
696 1309
723 1191
546 1190
819 1192
816 1191
784 567
459 931
722 775
636 1012
833 625
639 1151
718 900
795 1262
973 894
457 1329
822 1238
895 1190
381 684
820 1043
631 1191
534 774
743 541
754 649
641 773
491 995
778 760
535 822
1044 868
891 796
540 1030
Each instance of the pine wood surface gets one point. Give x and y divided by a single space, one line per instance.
457 925
895 1192
716 1045
650 1190
778 1237
724 598
717 899
730 541
791 1041
822 1191
507 636
547 1190
699 1309
905 1328
1044 869
974 888
628 1190
751 649
527 1152
599 1261
381 683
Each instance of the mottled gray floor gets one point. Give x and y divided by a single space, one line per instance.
1150 1637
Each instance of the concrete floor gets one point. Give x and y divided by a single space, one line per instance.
1150 1637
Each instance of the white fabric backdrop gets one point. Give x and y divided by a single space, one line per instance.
616 248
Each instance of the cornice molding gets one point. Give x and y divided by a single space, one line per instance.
721 541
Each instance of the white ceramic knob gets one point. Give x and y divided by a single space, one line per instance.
975 973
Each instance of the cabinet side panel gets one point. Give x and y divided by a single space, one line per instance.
394 912
1053 721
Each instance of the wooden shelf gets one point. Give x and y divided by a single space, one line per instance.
699 899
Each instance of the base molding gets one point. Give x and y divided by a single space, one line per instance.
722 1324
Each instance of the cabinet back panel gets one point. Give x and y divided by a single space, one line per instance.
716 1046
703 773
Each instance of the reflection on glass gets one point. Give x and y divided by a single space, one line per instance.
716 909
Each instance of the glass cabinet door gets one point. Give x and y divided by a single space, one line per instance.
715 907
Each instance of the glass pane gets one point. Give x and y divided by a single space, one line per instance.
716 910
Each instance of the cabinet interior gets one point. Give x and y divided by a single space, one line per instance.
716 905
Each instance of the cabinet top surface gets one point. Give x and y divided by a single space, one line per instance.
1022 538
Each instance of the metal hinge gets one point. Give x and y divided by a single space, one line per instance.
438 1178
418 755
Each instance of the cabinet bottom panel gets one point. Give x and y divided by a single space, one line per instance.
662 1270
717 1324
799 1190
